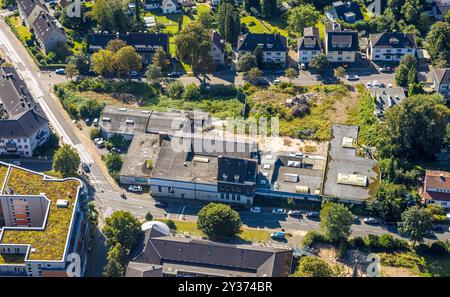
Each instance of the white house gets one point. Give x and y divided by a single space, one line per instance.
170 6
441 79
390 46
309 45
274 46
217 48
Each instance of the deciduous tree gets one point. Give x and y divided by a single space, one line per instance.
218 221
66 161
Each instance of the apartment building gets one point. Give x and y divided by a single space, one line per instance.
309 45
341 46
42 224
23 124
274 46
391 46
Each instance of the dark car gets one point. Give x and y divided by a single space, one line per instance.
160 204
356 220
86 167
263 82
238 207
313 215
116 150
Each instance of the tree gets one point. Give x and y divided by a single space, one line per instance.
302 16
153 73
417 222
71 71
191 93
175 89
101 62
258 53
413 129
206 19
115 45
193 45
335 221
126 60
311 266
411 10
160 59
115 265
110 15
253 75
80 61
113 162
290 73
218 221
409 61
91 108
269 8
246 62
121 228
319 62
228 22
66 161
339 72
438 41
401 75
390 202
447 17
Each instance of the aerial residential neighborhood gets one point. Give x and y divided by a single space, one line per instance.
207 138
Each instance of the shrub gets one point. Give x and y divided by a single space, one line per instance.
171 224
219 90
175 89
358 242
94 133
439 248
191 93
312 238
422 248
342 250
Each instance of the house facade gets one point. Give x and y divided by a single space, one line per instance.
309 45
436 188
23 124
217 48
29 10
341 46
145 44
274 46
391 46
441 80
48 33
152 4
170 6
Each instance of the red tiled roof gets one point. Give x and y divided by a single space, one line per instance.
437 180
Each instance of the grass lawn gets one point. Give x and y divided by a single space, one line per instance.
22 31
202 8
246 234
262 26
321 27
426 265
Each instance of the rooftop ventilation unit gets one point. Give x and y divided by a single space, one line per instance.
105 119
266 166
348 142
352 179
200 160
295 164
290 177
130 122
62 203
302 189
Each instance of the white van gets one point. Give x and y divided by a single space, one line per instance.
95 122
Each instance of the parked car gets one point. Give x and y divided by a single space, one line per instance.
95 122
116 150
160 204
263 82
276 81
384 69
313 215
278 72
255 209
88 121
135 188
60 71
370 221
382 85
85 167
101 144
352 77
16 162
278 235
303 66
173 75
368 84
96 140
356 220
133 73
295 213
278 211
389 85
438 228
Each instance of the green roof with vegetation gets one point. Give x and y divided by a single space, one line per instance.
51 241
3 171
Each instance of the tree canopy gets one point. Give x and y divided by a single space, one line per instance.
311 266
335 221
66 161
417 222
218 221
302 16
123 228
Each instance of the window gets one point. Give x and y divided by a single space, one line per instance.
339 52
159 189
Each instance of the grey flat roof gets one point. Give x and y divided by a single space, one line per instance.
382 95
180 165
119 116
345 160
143 147
310 174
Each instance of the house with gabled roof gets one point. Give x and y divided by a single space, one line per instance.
47 31
441 80
217 48
309 45
344 11
391 46
436 188
274 46
23 124
340 46
29 10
